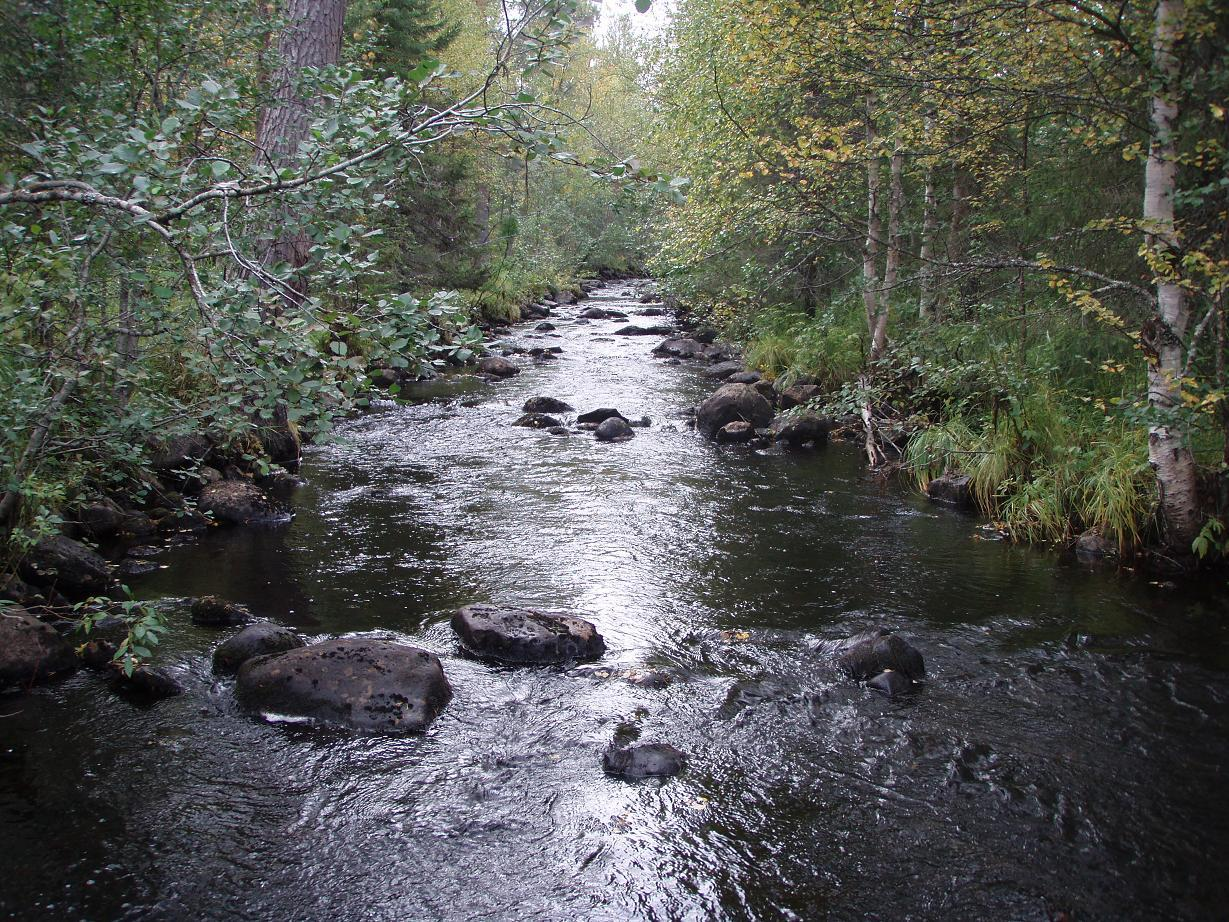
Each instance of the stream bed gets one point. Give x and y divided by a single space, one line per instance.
1066 755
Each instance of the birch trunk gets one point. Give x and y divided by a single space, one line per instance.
891 269
1169 453
874 232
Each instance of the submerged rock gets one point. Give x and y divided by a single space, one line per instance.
1092 545
147 683
643 760
521 635
660 329
362 684
891 683
211 611
31 651
615 429
497 367
546 405
258 639
66 566
731 403
680 347
865 656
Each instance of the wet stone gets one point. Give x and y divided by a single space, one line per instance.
643 760
526 636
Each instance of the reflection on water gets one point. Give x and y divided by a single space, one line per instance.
1068 752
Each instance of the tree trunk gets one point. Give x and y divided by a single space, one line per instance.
891 270
874 232
930 230
312 38
1168 450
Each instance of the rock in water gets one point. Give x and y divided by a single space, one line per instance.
537 421
680 347
615 429
67 566
890 683
799 427
731 403
800 394
496 367
30 651
147 683
546 405
520 635
255 640
643 760
735 432
600 415
211 611
237 502
953 489
375 685
866 655
723 370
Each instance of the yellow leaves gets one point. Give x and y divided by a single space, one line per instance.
1113 368
1218 112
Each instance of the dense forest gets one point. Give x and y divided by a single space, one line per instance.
994 234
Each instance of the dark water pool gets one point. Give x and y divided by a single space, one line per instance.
1068 753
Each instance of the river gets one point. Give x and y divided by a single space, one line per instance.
1067 753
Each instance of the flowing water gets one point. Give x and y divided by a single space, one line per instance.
1066 755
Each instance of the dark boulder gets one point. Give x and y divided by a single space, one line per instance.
67 566
545 326
258 639
891 683
538 421
565 297
558 430
953 489
146 684
723 370
14 589
733 402
1092 545
866 655
600 415
679 347
210 611
31 651
721 352
546 405
282 444
615 429
132 568
520 635
101 519
736 432
766 390
643 760
237 502
594 313
181 453
795 428
799 394
363 684
497 367
706 335
651 312
744 377
99 654
659 329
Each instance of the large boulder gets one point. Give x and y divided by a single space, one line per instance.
733 402
594 313
735 433
255 640
31 651
282 444
745 377
546 405
497 367
67 566
865 656
953 489
643 760
799 394
679 347
237 502
521 635
359 683
146 684
100 519
796 428
723 370
721 352
615 429
181 453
